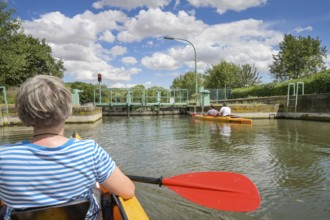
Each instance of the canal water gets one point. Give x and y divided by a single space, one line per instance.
288 160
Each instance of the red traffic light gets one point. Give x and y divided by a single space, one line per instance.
99 77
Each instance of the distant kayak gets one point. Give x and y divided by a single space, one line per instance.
225 119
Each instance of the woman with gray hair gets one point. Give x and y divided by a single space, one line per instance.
50 169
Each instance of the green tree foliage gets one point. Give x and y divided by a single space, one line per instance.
230 75
140 87
248 76
88 91
137 92
224 74
298 57
22 56
188 81
160 89
315 84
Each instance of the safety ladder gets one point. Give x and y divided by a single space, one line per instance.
4 114
295 93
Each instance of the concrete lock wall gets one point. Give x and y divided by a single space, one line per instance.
312 103
309 107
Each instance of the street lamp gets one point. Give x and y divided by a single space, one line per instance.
196 88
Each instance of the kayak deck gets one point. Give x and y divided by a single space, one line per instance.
226 119
117 208
129 209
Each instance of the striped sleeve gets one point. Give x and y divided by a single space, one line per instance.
104 165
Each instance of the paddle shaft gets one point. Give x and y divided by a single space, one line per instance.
169 182
143 179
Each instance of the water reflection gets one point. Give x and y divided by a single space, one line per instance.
297 164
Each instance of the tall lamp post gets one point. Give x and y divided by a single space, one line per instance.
196 88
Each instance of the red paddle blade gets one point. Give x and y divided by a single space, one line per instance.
219 190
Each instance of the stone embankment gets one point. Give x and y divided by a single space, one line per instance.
88 114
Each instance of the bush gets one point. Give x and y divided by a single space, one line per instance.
315 84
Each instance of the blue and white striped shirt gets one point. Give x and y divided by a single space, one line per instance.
34 176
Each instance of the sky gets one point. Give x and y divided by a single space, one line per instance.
124 39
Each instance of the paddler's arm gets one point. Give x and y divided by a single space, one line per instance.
119 184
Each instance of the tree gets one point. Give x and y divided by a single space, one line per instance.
22 56
248 76
224 74
160 89
298 57
88 91
139 86
187 81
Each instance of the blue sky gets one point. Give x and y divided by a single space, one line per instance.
123 39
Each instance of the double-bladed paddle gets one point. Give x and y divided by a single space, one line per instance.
219 190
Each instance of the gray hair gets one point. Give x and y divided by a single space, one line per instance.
43 101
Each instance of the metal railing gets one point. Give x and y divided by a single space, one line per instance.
140 97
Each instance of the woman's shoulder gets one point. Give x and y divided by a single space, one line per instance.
9 146
86 143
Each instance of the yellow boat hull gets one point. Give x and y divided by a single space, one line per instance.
132 209
224 119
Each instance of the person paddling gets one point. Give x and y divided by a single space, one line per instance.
225 110
212 111
50 169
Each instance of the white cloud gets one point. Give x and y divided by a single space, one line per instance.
74 40
241 42
89 71
147 84
80 29
129 4
302 29
177 3
118 50
154 22
59 29
107 36
171 74
80 42
159 61
122 86
129 60
327 61
223 6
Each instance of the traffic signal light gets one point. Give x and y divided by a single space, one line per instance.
99 77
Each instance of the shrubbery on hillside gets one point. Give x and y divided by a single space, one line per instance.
315 84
